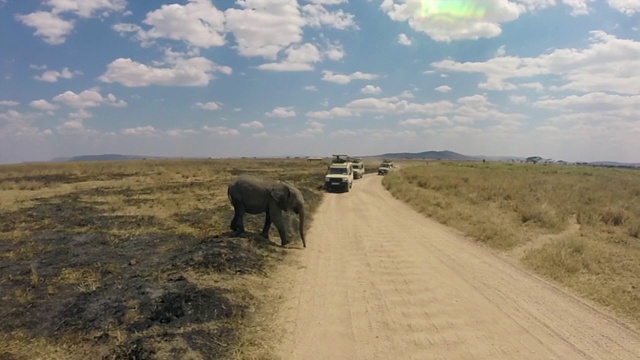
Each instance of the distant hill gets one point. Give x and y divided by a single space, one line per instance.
104 157
614 164
499 158
442 155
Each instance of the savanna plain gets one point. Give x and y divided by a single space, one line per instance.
135 260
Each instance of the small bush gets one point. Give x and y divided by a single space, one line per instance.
588 217
542 216
634 229
614 216
560 259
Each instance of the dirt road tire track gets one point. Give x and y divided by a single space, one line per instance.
380 281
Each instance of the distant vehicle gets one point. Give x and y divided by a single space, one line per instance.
358 168
384 168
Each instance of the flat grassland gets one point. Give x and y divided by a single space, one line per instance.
577 225
134 260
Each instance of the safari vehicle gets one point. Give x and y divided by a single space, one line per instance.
358 168
385 167
339 176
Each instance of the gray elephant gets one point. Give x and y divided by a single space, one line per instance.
257 195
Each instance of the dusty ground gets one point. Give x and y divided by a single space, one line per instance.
380 281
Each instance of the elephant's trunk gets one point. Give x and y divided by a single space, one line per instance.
301 225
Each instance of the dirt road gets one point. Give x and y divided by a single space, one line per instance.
380 281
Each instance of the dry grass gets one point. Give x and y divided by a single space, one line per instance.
508 206
133 259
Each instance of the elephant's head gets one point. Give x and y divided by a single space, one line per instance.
288 197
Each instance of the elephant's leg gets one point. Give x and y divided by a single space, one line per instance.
239 219
234 221
267 225
278 221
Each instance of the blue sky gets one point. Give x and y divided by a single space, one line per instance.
554 78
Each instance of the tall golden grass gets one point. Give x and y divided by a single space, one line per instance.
512 206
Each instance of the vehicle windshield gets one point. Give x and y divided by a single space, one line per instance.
340 171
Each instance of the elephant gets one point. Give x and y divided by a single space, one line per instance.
256 195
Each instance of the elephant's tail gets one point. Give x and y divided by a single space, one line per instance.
229 193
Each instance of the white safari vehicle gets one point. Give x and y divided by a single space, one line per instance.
339 174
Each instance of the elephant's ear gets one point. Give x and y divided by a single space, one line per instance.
281 194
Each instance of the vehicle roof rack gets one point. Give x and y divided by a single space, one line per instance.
340 159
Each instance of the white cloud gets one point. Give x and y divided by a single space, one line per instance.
87 98
390 105
252 125
181 132
345 79
53 29
501 51
262 134
578 7
53 75
299 58
139 131
50 27
263 28
517 99
427 122
311 88
334 52
606 65
16 116
113 101
315 128
386 133
72 127
281 112
302 57
80 114
370 89
221 130
466 110
198 23
593 102
627 7
211 105
8 103
316 15
406 95
443 89
403 39
86 8
343 133
328 2
535 86
481 19
43 105
195 71
373 133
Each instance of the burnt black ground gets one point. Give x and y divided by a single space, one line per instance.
138 274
